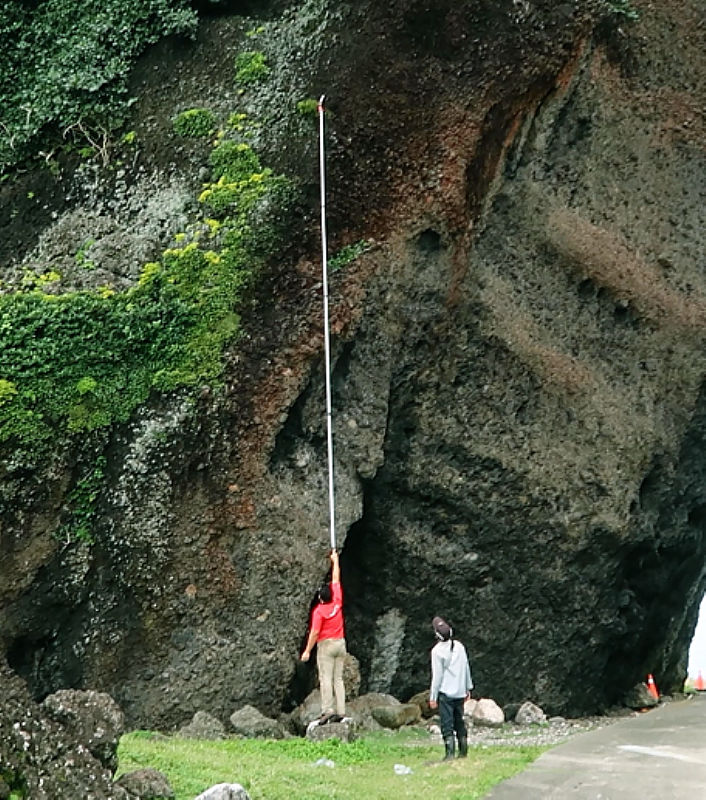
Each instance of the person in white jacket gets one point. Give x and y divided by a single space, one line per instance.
451 686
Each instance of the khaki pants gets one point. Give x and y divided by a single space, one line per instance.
330 660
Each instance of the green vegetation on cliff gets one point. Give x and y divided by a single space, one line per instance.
73 360
64 66
83 359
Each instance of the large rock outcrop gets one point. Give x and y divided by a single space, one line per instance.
518 376
49 753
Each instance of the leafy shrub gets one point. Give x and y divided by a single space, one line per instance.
195 123
234 161
622 8
308 107
348 254
7 390
251 67
53 345
82 502
64 64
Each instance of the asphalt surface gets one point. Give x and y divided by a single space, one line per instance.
658 755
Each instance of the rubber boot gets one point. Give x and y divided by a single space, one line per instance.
462 747
450 743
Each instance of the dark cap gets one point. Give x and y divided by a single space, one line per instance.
442 629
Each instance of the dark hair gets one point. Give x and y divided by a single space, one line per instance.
325 593
442 630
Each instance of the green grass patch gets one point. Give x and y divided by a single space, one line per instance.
288 770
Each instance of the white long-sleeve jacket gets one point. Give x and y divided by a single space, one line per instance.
450 671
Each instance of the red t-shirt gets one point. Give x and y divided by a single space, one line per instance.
327 618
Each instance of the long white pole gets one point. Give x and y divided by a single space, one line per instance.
327 343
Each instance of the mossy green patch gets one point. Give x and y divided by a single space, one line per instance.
251 67
81 360
194 123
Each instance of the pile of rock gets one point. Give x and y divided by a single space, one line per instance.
66 747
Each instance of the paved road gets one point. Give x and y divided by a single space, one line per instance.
659 755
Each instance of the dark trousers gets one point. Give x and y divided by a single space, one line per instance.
451 714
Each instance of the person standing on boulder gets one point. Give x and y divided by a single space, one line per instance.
451 686
328 631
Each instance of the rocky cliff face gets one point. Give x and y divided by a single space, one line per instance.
518 370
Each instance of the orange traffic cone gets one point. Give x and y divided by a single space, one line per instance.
700 683
652 687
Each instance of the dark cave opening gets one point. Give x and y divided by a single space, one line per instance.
382 613
429 241
392 592
364 576
45 665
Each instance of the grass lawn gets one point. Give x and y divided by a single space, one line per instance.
287 770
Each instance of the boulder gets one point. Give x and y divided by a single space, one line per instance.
203 726
42 758
487 713
92 718
249 722
288 725
530 714
469 707
361 709
639 697
395 716
421 699
225 791
307 712
146 784
367 702
332 730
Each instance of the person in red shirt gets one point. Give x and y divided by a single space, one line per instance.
327 630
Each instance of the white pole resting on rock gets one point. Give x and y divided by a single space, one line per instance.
327 344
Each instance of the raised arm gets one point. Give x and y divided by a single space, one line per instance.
336 571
